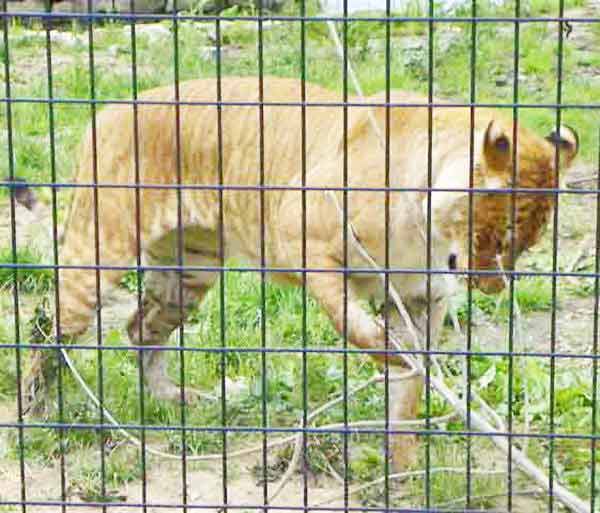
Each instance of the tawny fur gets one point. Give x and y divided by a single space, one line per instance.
232 148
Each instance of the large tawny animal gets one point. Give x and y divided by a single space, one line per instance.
224 145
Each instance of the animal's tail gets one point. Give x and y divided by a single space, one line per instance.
33 218
22 192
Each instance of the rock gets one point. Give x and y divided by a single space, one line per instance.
66 38
445 6
139 6
376 45
411 43
233 387
446 40
26 6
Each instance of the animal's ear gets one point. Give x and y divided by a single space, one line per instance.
496 146
566 140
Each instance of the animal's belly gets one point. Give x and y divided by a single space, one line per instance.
412 285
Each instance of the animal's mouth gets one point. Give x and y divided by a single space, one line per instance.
490 284
491 280
493 283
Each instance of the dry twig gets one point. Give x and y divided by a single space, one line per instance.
478 421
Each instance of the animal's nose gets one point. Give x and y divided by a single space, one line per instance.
452 261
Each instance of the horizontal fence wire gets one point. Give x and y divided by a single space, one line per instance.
307 188
227 416
128 18
233 507
266 103
313 431
242 350
300 270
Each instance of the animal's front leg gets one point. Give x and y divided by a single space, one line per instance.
347 314
77 305
405 395
365 333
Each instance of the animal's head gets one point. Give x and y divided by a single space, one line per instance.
495 246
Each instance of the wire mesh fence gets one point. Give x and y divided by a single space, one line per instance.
369 231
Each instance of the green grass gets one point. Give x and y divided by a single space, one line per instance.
283 397
29 279
282 385
530 295
452 71
121 466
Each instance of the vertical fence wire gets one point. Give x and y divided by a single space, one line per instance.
14 259
97 221
180 257
55 258
470 214
428 260
345 257
555 241
222 242
514 183
138 251
596 327
263 261
304 327
386 263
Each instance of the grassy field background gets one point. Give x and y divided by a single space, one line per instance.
278 397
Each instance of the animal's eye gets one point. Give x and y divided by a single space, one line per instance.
452 262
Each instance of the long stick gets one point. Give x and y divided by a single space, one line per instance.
570 500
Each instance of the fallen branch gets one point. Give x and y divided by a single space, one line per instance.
298 438
569 499
241 452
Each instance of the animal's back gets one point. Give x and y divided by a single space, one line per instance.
197 116
199 145
202 145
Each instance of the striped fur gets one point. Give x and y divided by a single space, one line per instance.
234 148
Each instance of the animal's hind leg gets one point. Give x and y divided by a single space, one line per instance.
165 306
78 300
79 294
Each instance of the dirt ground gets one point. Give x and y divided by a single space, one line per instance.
205 481
205 484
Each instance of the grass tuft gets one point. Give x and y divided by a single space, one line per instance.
282 385
29 280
